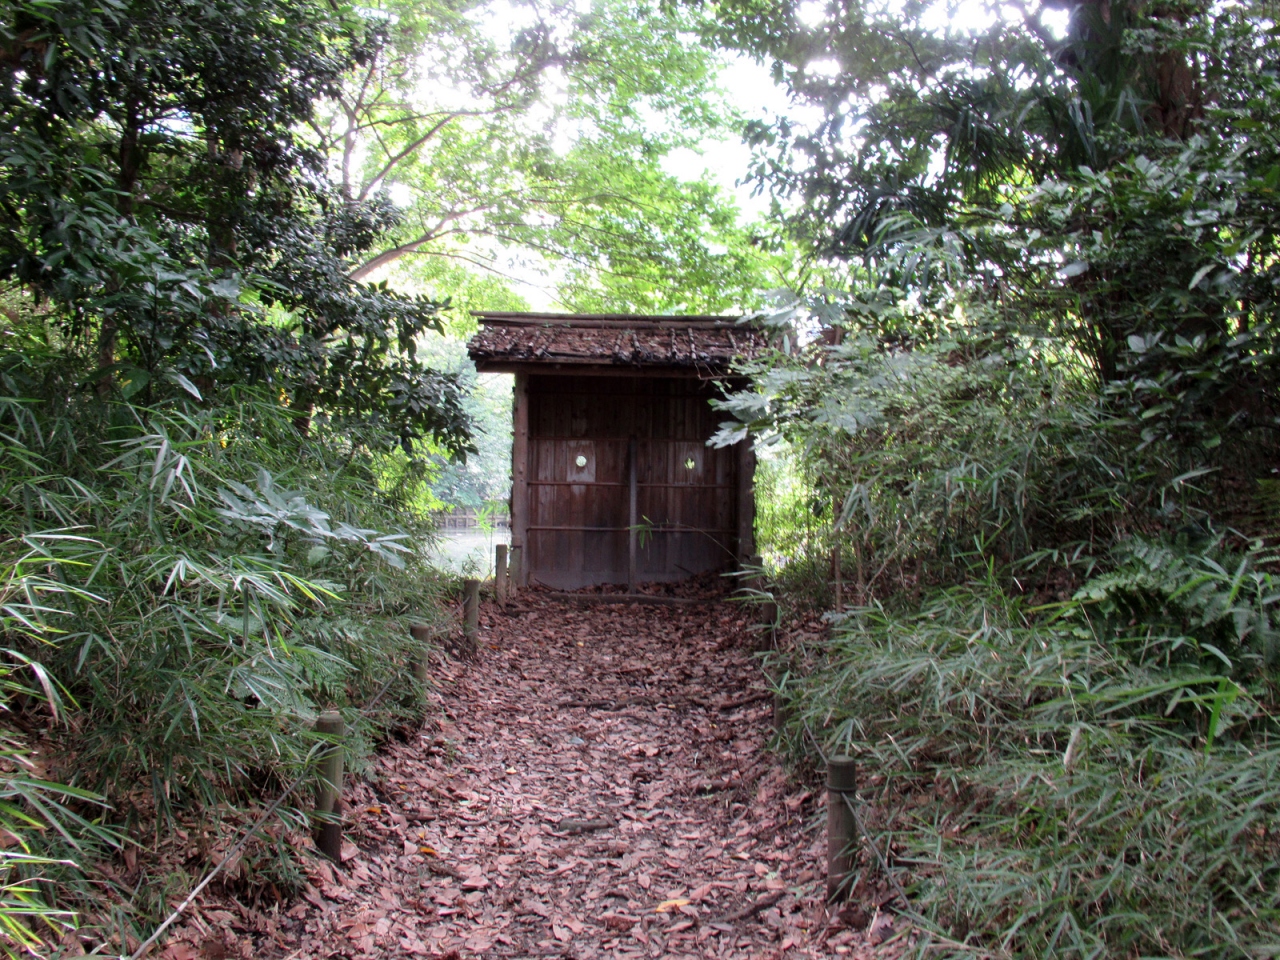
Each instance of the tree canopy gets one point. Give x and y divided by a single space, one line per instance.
1109 176
540 131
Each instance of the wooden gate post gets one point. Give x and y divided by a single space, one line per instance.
841 787
500 572
329 788
471 611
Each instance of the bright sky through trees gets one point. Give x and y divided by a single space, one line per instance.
723 160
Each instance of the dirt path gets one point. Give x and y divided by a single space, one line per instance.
596 785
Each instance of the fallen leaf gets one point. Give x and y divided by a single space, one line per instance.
880 929
533 906
485 869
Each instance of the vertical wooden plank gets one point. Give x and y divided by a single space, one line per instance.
632 468
519 480
746 499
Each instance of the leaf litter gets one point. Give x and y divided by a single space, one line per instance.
595 783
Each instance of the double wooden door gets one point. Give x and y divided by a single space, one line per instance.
620 484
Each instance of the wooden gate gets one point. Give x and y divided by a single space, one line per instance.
608 454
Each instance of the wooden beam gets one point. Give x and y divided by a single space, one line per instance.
645 598
593 368
511 318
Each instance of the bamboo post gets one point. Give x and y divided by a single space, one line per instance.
471 611
841 785
418 662
329 788
500 572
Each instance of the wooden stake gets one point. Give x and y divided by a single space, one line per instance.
836 562
770 611
515 569
500 572
471 610
781 712
841 783
329 787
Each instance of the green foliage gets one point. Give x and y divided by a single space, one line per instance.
208 579
484 480
521 137
156 191
1113 186
1059 677
1086 784
927 440
30 805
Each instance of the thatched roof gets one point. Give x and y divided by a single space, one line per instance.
709 344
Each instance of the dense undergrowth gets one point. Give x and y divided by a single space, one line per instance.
1056 657
1065 785
185 586
1036 427
213 447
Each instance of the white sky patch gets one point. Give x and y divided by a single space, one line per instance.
500 21
724 163
823 68
401 194
963 17
811 13
1055 20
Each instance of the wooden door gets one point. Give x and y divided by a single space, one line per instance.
589 439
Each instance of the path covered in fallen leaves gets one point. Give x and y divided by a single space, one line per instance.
594 784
